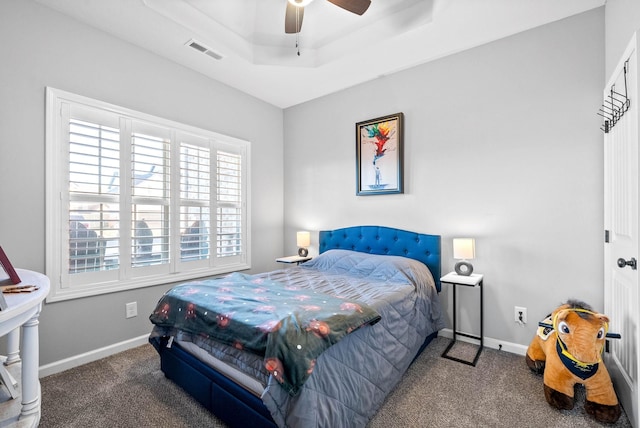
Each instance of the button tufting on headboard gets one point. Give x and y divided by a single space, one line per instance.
386 240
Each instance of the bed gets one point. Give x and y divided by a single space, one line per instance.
380 286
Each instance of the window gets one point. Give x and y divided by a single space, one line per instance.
135 200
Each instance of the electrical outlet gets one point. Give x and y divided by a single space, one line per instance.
131 309
520 314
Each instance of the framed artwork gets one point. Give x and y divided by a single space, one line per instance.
379 155
8 268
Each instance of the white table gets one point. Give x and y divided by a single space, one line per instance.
293 259
22 315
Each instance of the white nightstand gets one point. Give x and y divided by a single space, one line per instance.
293 259
473 280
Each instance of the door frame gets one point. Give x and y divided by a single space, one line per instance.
627 323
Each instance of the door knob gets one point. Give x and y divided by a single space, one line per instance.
633 263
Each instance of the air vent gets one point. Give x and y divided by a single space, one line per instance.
204 49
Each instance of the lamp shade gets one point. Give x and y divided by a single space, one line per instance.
464 248
303 239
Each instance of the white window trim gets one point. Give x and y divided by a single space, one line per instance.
56 138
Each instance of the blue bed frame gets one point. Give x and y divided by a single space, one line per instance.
236 406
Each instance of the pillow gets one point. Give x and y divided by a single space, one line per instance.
374 266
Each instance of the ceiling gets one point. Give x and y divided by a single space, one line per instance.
338 49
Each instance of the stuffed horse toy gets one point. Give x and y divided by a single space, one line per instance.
569 351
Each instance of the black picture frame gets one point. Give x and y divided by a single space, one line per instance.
379 155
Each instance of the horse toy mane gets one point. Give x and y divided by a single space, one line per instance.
567 350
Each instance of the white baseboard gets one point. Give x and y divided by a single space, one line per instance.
87 357
514 348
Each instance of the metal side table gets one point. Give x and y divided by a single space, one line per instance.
473 280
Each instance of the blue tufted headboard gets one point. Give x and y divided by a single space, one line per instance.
386 240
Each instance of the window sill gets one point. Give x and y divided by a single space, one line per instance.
59 293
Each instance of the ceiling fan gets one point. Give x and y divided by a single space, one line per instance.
295 11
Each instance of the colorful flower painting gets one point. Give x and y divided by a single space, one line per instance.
379 155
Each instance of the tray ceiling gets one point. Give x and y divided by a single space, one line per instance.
337 49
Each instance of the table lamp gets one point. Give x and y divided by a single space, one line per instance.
464 249
303 240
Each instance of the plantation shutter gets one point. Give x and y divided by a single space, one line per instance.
150 196
134 200
195 201
93 210
229 216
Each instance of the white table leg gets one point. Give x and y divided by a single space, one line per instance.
30 360
13 356
13 347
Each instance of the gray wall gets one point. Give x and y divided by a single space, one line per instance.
502 144
42 48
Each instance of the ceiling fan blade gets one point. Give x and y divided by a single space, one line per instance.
355 6
293 19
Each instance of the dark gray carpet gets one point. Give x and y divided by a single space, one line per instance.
129 390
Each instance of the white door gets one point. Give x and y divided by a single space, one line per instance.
621 224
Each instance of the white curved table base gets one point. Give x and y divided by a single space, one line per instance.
19 322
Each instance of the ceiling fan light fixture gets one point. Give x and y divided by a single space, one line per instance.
300 3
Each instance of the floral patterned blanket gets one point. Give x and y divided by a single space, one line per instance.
289 326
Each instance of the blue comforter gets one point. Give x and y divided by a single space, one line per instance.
352 379
287 325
